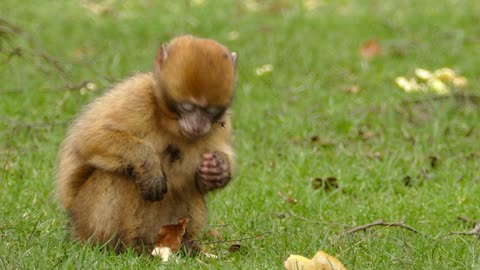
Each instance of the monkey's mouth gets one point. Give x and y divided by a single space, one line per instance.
193 131
192 135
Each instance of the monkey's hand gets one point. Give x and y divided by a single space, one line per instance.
151 179
214 171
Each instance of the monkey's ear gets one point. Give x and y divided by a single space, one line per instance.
162 55
160 59
234 58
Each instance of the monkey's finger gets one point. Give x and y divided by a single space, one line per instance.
208 183
215 178
208 156
224 166
220 182
209 163
210 170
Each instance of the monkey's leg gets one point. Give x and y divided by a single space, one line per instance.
107 210
117 151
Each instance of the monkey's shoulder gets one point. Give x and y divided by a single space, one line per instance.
129 96
126 105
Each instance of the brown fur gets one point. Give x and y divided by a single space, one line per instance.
124 168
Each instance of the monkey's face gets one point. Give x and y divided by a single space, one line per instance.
194 120
196 80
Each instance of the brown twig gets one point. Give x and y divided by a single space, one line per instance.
380 222
475 231
51 60
236 240
35 53
219 225
316 221
8 154
11 27
287 199
468 220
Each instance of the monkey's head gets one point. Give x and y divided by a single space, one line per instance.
195 83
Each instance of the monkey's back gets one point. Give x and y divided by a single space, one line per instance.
121 107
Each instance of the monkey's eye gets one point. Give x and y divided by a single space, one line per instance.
186 107
213 111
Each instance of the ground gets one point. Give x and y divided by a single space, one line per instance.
326 141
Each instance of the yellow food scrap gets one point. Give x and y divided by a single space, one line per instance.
440 81
321 261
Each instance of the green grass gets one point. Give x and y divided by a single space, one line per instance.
372 142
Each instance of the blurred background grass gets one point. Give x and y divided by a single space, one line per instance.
323 111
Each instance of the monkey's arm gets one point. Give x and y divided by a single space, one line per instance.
112 149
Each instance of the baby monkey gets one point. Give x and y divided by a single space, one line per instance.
145 154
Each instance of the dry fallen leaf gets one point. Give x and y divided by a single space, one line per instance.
169 239
374 155
321 261
407 180
234 248
351 89
433 161
366 134
327 184
86 51
321 141
98 7
287 199
315 138
370 49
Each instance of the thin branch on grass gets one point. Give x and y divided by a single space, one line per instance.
219 225
52 61
5 164
316 221
468 220
380 222
7 26
236 240
20 51
34 230
475 231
